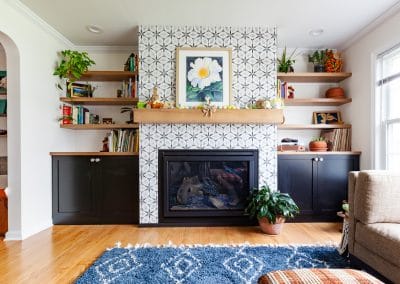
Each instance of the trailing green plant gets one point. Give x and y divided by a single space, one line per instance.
264 202
285 63
318 57
318 139
73 64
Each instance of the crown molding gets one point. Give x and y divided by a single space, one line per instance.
393 10
40 22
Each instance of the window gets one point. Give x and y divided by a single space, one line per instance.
387 116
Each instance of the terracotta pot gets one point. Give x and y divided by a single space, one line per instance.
318 146
271 229
335 92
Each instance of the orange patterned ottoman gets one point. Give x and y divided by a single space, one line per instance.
317 276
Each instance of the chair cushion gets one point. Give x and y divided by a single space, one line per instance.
382 239
317 276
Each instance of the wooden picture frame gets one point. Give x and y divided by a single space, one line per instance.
327 117
78 90
201 73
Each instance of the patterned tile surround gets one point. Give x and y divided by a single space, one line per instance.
254 73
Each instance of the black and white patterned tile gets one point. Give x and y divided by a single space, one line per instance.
253 77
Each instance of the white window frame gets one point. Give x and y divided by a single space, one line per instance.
381 124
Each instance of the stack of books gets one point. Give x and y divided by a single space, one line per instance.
290 144
123 140
77 115
337 139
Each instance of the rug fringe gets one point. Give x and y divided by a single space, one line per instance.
170 244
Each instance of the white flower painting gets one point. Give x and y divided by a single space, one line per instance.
203 73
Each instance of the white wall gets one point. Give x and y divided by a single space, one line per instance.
32 125
360 60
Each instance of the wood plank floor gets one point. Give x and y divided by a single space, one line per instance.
61 253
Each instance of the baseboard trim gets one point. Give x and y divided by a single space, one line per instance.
13 236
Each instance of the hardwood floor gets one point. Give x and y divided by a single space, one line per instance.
60 254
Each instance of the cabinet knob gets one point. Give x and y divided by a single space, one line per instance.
321 159
315 159
92 160
97 160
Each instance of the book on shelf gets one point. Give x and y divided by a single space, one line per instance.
338 139
123 140
76 115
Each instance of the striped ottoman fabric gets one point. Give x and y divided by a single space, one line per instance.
317 276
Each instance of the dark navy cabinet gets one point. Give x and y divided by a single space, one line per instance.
317 182
95 189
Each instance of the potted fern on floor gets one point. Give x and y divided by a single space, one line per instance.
271 208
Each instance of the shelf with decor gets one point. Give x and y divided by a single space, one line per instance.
317 102
313 126
108 76
196 116
99 101
99 126
314 77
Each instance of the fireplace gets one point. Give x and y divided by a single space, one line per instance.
206 187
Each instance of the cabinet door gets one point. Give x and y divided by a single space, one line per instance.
118 183
295 176
332 182
73 195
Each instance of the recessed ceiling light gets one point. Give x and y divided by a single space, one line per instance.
94 29
316 32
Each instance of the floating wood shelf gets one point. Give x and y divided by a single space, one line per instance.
317 102
195 116
98 126
107 75
94 153
100 101
314 77
313 126
320 153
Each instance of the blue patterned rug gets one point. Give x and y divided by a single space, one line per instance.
205 264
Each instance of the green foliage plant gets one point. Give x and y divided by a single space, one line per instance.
73 64
318 57
285 63
271 204
318 139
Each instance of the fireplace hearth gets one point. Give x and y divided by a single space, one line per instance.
206 187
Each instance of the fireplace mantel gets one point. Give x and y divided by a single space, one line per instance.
196 116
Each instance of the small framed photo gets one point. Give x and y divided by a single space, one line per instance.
80 90
327 117
107 120
202 73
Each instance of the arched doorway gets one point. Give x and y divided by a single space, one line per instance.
13 137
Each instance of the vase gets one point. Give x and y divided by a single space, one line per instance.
319 68
318 146
271 229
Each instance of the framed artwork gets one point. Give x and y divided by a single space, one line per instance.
327 117
80 90
201 73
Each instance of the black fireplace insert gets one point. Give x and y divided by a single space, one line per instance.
206 187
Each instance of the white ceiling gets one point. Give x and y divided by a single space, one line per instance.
342 20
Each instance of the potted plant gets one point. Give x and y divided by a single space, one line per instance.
285 64
271 209
318 58
318 144
73 64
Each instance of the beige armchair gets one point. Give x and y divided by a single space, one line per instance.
374 220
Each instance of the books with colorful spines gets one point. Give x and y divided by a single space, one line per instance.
75 111
136 142
66 114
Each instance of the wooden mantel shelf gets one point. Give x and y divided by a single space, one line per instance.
195 116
